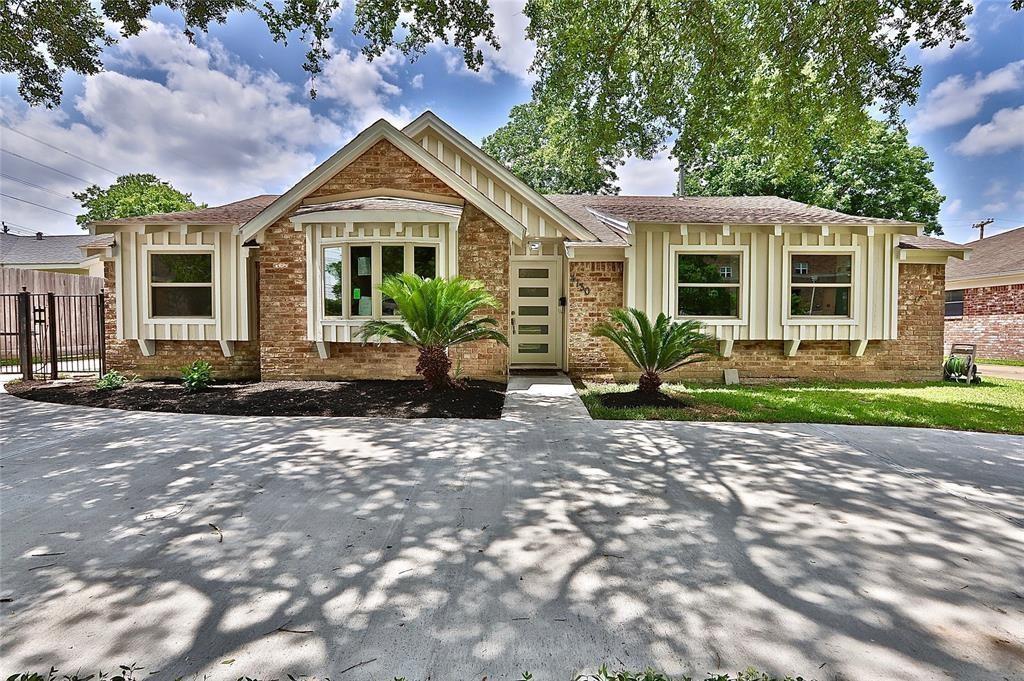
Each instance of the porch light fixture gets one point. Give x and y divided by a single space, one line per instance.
534 247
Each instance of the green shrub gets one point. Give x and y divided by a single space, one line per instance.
112 380
197 376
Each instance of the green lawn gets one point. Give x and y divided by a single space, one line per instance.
1003 362
996 405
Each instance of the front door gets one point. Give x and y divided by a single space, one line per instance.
536 323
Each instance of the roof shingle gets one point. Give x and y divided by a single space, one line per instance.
51 249
992 256
229 214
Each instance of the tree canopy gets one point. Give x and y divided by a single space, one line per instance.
625 75
542 152
131 196
883 176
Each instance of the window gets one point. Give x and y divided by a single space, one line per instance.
708 285
955 303
334 295
351 275
822 285
181 284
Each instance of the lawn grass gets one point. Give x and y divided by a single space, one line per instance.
1003 362
994 406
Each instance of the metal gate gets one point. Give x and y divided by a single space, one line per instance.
45 335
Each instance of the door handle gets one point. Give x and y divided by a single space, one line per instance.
513 323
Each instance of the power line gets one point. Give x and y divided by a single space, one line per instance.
56 170
70 215
36 186
64 151
19 230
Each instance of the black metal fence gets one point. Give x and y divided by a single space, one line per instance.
43 335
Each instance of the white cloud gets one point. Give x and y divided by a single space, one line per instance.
953 207
199 118
655 177
362 87
995 207
995 187
417 81
956 99
516 51
1004 132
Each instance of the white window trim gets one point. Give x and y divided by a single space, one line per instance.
376 275
788 252
191 249
744 285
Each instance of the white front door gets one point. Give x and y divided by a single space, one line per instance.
536 322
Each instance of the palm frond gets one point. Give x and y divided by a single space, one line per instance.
659 347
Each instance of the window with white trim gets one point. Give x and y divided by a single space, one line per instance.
708 285
821 285
181 285
352 274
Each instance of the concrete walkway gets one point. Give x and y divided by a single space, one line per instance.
363 549
1001 371
538 399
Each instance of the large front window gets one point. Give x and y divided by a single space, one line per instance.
708 285
181 285
821 285
352 274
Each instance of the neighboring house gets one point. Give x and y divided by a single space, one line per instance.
66 253
278 287
985 296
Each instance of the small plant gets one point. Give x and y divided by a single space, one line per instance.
197 376
656 348
112 380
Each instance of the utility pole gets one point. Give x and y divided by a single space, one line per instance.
980 226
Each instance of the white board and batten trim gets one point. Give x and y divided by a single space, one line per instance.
230 320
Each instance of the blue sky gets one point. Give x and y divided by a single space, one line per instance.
229 117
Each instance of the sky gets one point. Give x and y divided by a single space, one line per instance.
230 117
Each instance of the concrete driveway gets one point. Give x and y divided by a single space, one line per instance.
367 549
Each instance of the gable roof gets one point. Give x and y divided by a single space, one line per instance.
996 255
428 119
353 150
51 249
234 213
729 210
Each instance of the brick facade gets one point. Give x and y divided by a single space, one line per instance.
915 356
286 354
993 319
171 356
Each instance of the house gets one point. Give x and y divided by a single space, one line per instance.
50 253
985 296
277 287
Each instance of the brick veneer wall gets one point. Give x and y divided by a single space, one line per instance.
993 319
916 355
284 351
484 251
126 357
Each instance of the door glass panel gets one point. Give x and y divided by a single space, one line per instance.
424 261
533 329
533 348
333 295
533 310
361 276
533 273
392 261
533 291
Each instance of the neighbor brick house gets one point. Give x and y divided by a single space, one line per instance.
277 287
985 296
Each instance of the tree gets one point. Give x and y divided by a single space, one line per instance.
130 196
657 348
540 150
883 176
435 316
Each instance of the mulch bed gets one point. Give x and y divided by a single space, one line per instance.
389 399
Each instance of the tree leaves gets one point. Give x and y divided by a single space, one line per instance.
131 196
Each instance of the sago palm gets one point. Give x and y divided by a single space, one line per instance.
656 348
435 315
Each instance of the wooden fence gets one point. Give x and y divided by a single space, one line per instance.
36 281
